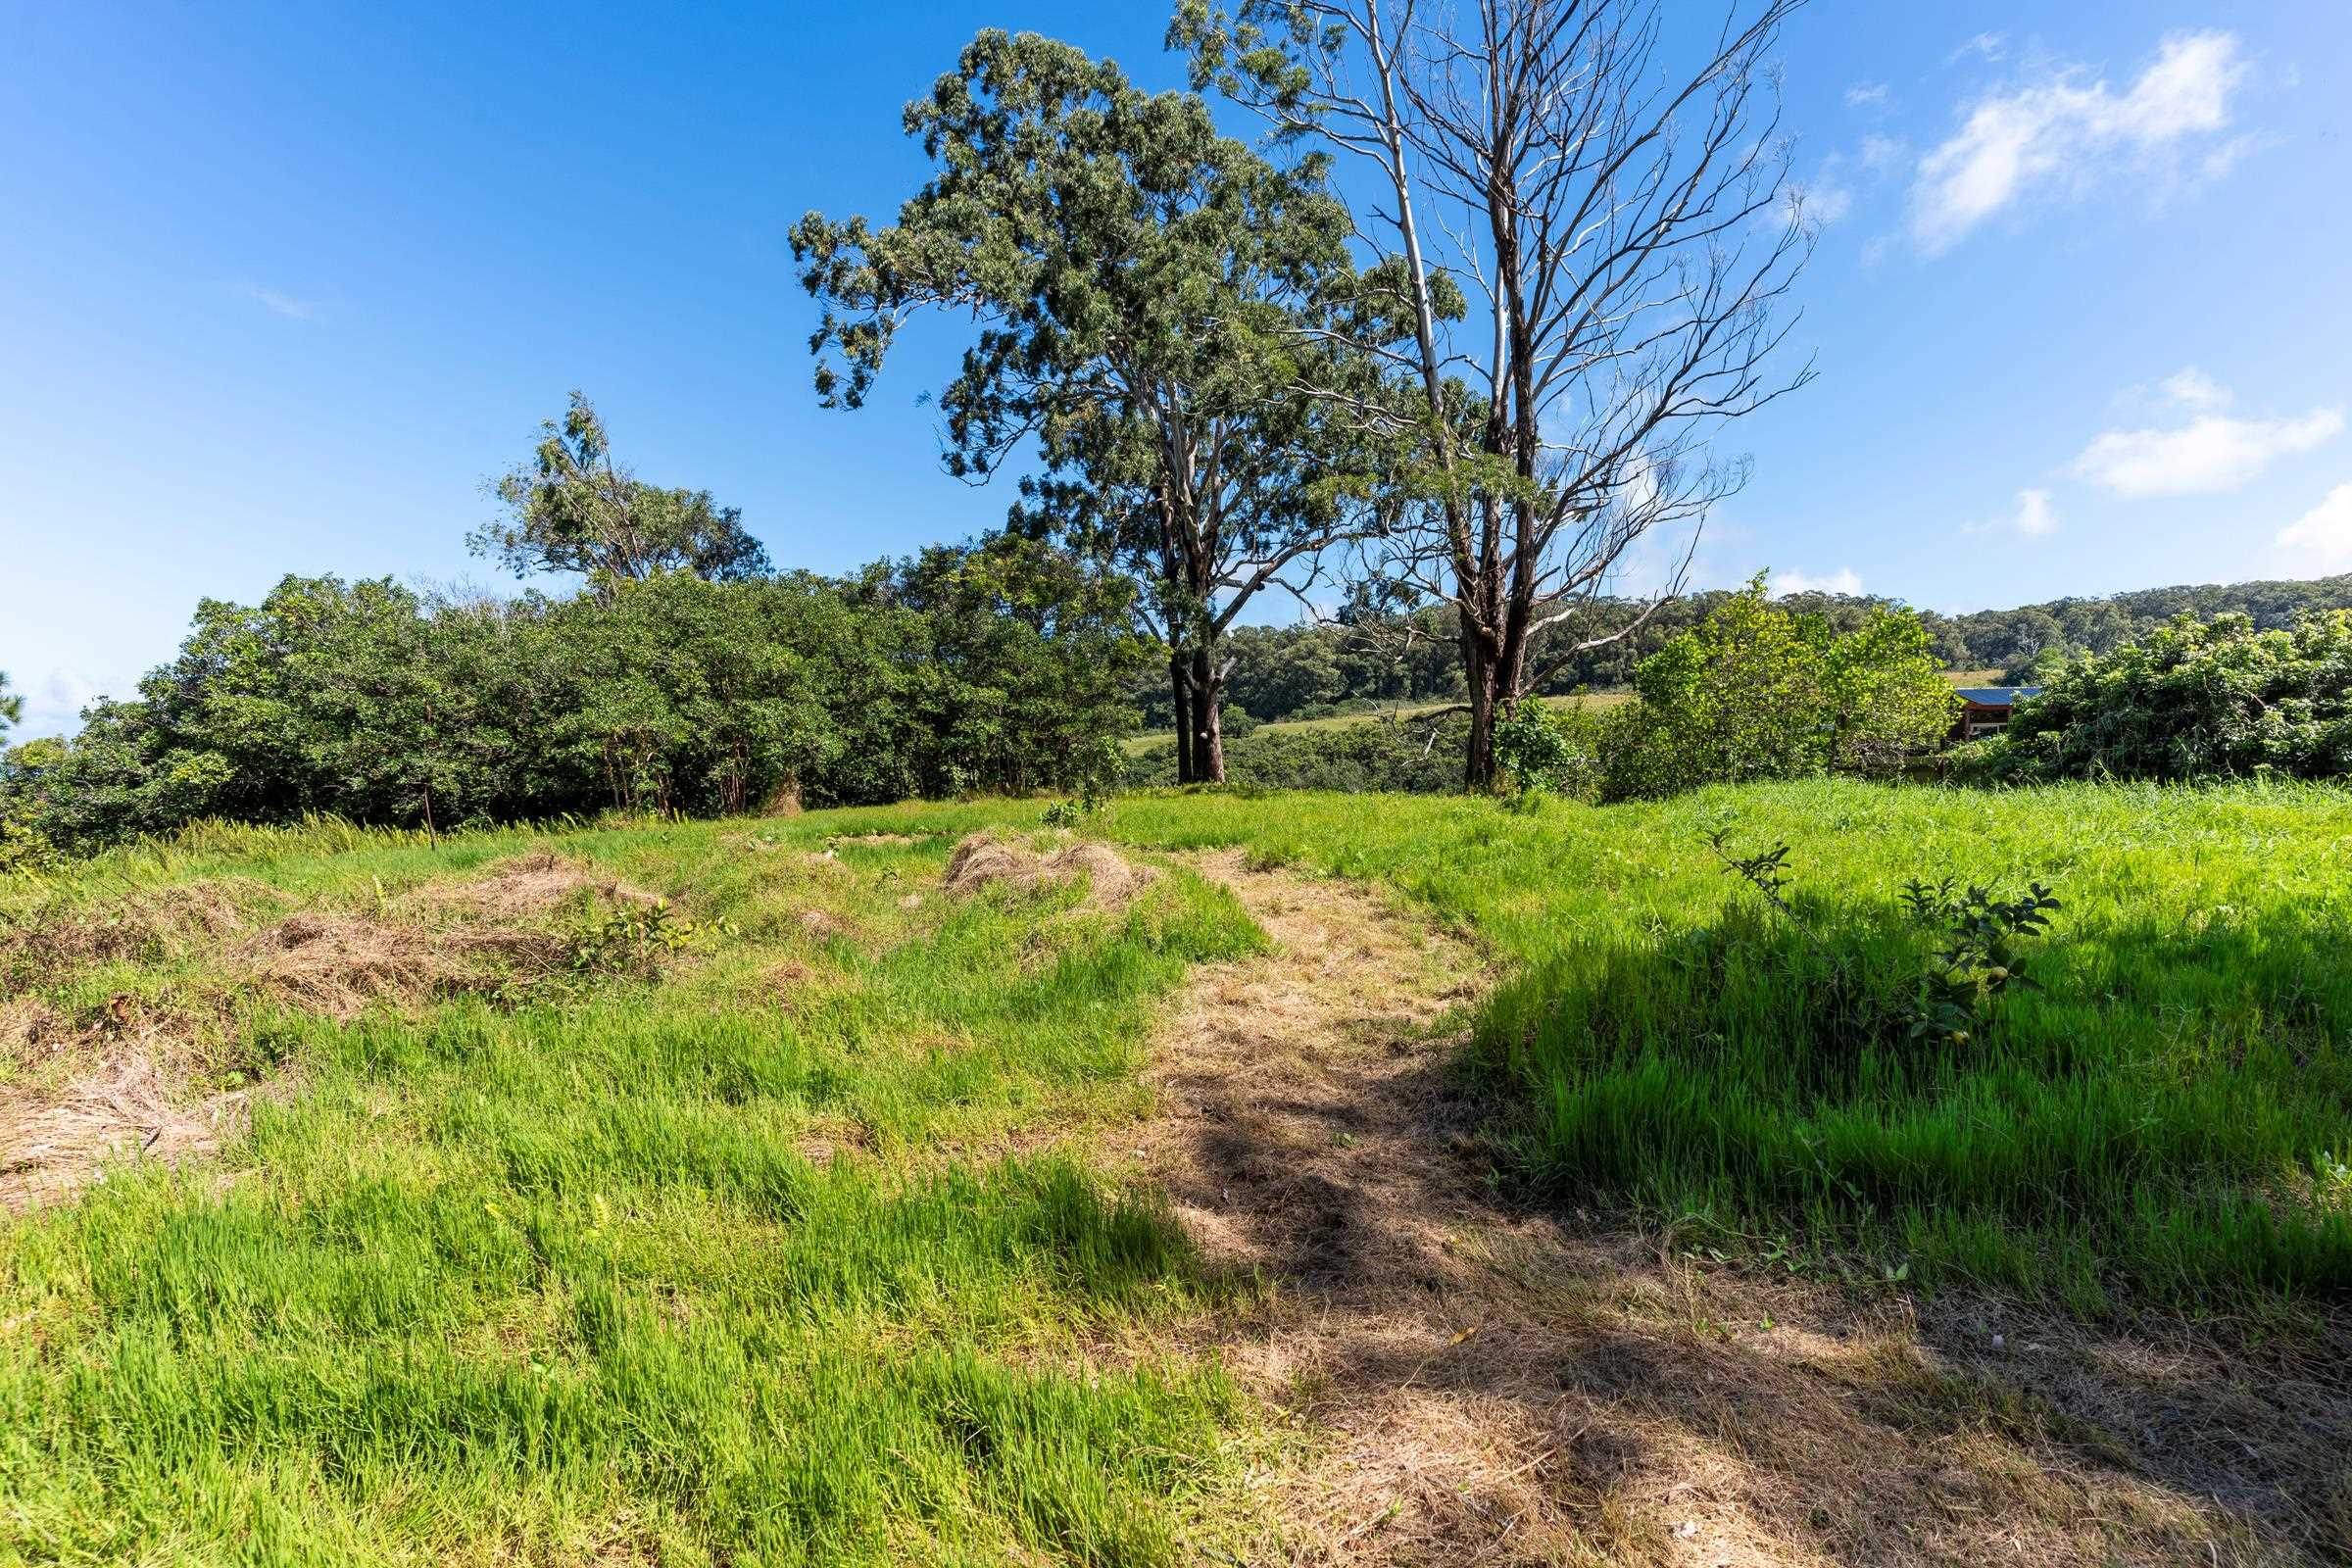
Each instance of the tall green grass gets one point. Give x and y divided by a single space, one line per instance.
2168 1118
570 1282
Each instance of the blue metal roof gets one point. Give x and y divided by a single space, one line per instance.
1998 696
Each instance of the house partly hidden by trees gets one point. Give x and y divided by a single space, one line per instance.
1986 710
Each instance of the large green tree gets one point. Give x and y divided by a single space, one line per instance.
1144 289
12 709
573 507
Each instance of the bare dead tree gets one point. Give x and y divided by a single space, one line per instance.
1589 226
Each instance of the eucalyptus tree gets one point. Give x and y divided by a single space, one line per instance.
1610 194
573 507
1139 283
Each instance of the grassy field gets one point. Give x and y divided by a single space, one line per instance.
552 1243
572 1274
2163 1120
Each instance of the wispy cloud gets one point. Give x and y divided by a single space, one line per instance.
1984 46
2192 388
2323 534
2031 518
1879 154
53 704
278 304
2066 133
2211 452
1840 581
1868 95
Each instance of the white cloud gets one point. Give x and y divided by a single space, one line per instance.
2068 132
285 305
2033 517
1840 581
53 706
1818 202
1866 95
2192 388
1879 154
2325 532
2211 452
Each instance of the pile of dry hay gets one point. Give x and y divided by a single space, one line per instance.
985 861
131 1064
145 927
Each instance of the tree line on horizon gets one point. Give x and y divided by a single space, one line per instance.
1353 662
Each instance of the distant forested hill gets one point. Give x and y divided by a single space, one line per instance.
1311 671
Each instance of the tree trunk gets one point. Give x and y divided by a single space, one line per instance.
1180 689
1208 726
1479 672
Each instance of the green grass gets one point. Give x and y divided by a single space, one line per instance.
572 1277
2167 1120
543 1284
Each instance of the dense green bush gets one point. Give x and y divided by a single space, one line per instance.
997 667
1760 692
2193 700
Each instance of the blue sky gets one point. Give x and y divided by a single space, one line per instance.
279 286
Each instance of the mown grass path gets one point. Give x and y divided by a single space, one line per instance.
1476 1381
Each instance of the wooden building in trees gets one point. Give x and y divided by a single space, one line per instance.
1985 709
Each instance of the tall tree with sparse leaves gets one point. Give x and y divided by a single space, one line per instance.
574 508
1611 198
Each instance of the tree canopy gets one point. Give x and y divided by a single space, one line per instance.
574 508
1141 285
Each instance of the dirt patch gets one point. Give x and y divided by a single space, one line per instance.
1482 1384
984 861
526 886
128 1107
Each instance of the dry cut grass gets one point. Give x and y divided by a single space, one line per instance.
134 1075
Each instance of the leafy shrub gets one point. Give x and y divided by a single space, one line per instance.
1950 996
1544 750
633 940
2193 700
1756 692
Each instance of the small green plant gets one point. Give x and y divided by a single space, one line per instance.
632 941
1979 959
1092 796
